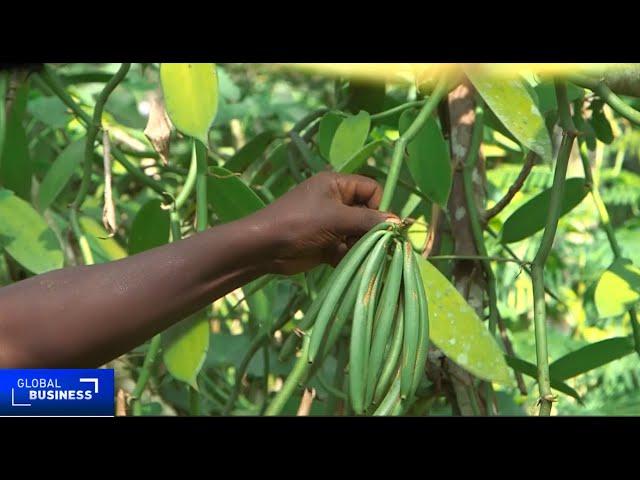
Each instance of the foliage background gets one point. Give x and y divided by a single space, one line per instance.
257 98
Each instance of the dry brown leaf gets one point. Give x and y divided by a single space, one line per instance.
306 402
121 404
109 210
158 129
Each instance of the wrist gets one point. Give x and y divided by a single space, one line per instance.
269 240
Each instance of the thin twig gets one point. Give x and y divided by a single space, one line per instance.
522 263
513 189
400 108
109 209
509 349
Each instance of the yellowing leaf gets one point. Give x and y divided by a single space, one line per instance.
514 106
191 96
107 248
618 288
455 329
185 347
26 237
417 232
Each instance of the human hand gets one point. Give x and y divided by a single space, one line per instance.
320 219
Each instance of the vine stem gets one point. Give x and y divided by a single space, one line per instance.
93 127
145 373
156 342
608 228
394 110
478 236
564 113
47 81
525 266
202 220
513 189
297 375
522 263
337 397
266 372
83 243
189 182
474 217
605 93
305 121
202 215
537 269
401 144
259 341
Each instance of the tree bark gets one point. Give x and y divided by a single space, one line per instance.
457 384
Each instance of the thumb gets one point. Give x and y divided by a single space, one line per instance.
356 221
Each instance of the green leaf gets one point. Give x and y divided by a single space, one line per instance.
106 248
150 227
15 164
50 111
428 160
228 89
185 346
516 109
455 329
600 124
191 96
532 216
589 357
531 370
349 138
359 158
546 92
367 96
327 130
4 84
618 288
26 237
250 152
60 173
229 196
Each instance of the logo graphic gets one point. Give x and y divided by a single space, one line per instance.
73 392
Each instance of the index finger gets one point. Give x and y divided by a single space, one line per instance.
359 190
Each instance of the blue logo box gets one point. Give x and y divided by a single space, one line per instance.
68 392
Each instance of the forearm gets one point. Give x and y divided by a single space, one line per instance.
88 315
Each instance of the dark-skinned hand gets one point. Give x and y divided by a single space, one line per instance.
320 219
